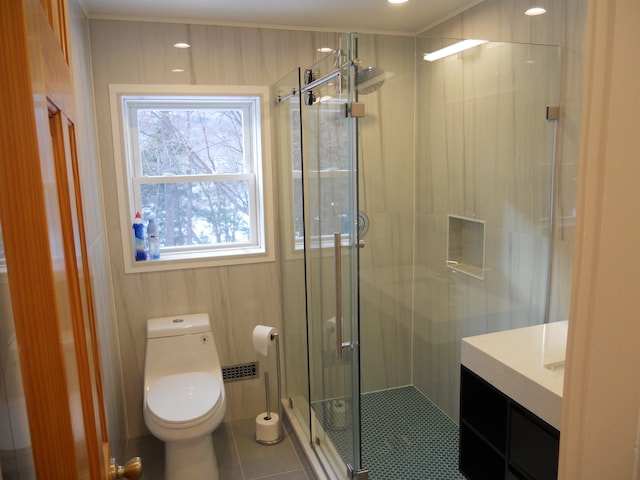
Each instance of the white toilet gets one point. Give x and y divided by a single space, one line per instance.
184 398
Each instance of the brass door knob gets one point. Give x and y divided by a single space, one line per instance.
132 470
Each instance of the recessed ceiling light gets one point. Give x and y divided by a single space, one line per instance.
397 1
177 70
181 45
325 50
533 11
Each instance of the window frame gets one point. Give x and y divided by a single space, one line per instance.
129 178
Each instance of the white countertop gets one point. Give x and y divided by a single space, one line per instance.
527 364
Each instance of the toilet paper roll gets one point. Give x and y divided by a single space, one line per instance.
267 429
262 338
338 414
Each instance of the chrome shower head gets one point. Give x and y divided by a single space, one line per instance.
369 79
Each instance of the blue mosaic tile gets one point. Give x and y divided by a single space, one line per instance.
404 435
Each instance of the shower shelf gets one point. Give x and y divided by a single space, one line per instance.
465 246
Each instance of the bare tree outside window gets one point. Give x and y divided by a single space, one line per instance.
192 143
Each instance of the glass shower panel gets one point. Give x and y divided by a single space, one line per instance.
331 203
486 151
289 153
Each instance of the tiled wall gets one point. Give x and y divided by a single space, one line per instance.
95 231
386 195
481 175
236 297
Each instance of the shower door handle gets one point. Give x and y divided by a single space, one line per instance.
337 246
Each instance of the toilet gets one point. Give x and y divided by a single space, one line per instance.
184 397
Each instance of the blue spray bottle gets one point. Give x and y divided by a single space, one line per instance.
138 238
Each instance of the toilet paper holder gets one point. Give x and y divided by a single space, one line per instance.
269 429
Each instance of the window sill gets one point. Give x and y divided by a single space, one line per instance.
183 261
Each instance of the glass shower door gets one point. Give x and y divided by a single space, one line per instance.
330 176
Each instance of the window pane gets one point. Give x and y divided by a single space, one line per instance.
190 142
199 213
329 144
296 138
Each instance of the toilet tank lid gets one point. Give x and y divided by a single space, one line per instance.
178 325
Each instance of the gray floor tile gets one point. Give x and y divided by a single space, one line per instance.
233 443
297 475
226 453
151 450
258 460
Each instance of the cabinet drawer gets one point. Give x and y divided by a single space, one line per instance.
534 445
484 408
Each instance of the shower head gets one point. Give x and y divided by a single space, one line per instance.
369 79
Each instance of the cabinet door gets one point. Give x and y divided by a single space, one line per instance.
478 459
484 408
483 428
533 445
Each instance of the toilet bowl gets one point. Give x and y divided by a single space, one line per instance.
184 397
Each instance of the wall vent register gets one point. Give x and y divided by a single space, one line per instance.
242 371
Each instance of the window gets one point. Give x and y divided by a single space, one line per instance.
193 161
328 183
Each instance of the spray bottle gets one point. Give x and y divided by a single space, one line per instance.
138 238
152 237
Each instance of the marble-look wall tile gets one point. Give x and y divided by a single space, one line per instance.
109 345
504 21
134 52
503 187
236 297
386 165
94 222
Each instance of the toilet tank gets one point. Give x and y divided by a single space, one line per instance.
180 344
178 325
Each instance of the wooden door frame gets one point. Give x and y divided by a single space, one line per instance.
35 81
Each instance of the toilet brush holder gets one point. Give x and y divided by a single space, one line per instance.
269 429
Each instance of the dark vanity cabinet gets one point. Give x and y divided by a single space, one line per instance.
500 439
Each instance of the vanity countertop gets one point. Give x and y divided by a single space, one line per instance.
527 364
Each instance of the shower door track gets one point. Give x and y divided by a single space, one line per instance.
311 86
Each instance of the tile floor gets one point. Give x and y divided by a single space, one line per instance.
239 456
404 436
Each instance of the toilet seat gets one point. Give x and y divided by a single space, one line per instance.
185 399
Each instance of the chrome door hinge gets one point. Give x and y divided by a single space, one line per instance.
353 109
553 112
357 475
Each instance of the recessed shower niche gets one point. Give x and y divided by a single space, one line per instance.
465 246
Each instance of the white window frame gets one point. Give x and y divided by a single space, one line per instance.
128 176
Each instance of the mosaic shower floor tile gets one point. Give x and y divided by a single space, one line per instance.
404 436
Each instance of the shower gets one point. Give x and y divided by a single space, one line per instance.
369 79
373 334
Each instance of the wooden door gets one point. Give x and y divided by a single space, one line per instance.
44 245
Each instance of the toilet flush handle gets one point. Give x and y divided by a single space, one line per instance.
132 470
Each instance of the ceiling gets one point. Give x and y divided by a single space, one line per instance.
330 15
